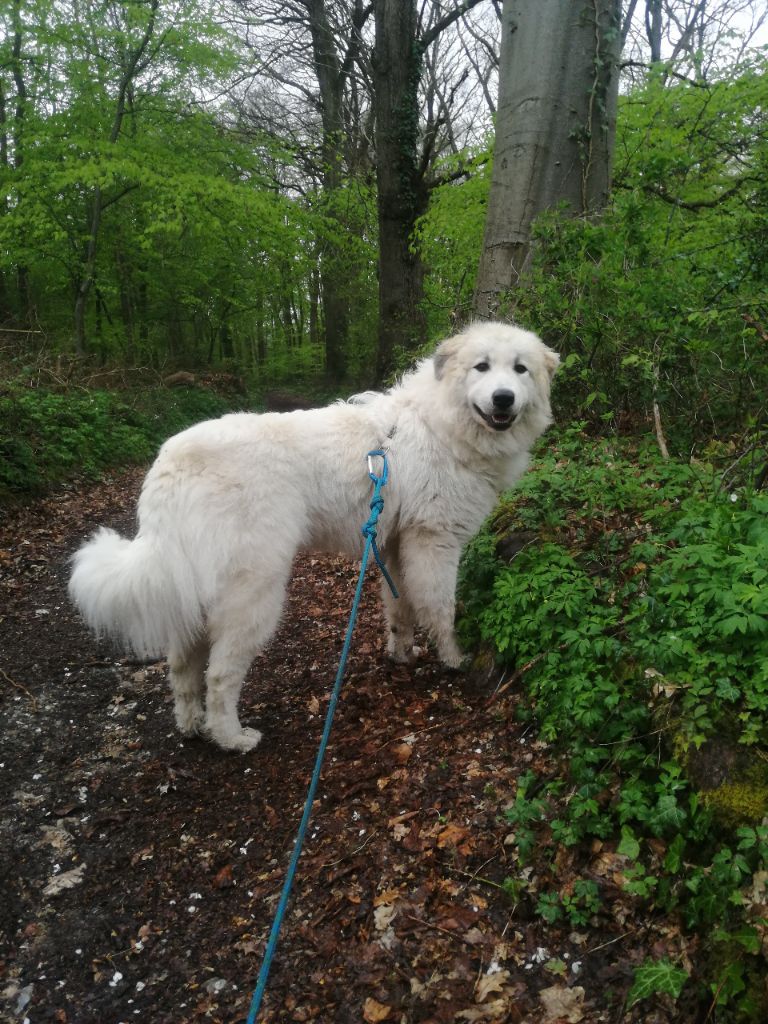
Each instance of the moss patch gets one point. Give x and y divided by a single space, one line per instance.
740 802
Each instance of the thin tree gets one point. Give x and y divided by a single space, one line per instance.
135 60
402 41
20 112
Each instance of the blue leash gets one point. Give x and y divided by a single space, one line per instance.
369 532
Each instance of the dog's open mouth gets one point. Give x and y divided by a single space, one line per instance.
496 419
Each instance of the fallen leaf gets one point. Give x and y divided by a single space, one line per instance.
223 879
562 1003
452 835
402 752
67 880
383 917
490 984
495 1011
57 837
388 896
374 1011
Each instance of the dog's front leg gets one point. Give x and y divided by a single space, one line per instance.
398 612
429 563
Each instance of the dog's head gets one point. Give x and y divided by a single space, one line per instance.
501 373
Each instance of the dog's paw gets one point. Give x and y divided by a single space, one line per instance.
190 721
243 741
400 648
402 655
455 660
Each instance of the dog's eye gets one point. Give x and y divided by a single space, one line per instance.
520 368
482 367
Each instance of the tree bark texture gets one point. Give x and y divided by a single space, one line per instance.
331 79
397 63
558 88
17 70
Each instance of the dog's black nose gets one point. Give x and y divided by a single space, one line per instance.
503 399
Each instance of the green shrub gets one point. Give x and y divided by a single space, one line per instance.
636 614
48 436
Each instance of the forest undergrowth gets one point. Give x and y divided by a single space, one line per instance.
627 595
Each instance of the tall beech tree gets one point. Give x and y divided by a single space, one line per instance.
558 88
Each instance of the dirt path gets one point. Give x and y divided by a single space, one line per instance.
140 872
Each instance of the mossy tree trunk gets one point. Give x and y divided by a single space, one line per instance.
397 63
403 189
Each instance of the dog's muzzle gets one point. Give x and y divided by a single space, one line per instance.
501 415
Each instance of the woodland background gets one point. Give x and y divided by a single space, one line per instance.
206 207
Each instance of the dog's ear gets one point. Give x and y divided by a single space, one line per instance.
551 361
443 353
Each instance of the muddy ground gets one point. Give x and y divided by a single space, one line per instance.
140 871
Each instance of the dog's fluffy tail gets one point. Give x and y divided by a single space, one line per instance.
132 591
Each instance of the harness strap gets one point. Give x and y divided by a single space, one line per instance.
377 504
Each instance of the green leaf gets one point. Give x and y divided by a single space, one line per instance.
746 936
656 976
629 846
674 857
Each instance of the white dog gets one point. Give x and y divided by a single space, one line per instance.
229 502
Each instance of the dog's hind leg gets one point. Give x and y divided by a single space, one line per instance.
187 671
238 627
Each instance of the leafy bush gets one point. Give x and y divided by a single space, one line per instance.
47 436
636 614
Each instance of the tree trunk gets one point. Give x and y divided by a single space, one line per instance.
397 64
126 303
314 301
653 26
98 204
5 309
261 331
22 272
89 271
143 293
331 79
558 87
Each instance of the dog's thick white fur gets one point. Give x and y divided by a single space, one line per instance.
229 502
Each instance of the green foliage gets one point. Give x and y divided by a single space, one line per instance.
549 908
582 902
707 615
47 436
577 904
513 889
655 301
635 613
196 257
656 976
661 299
450 237
523 815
